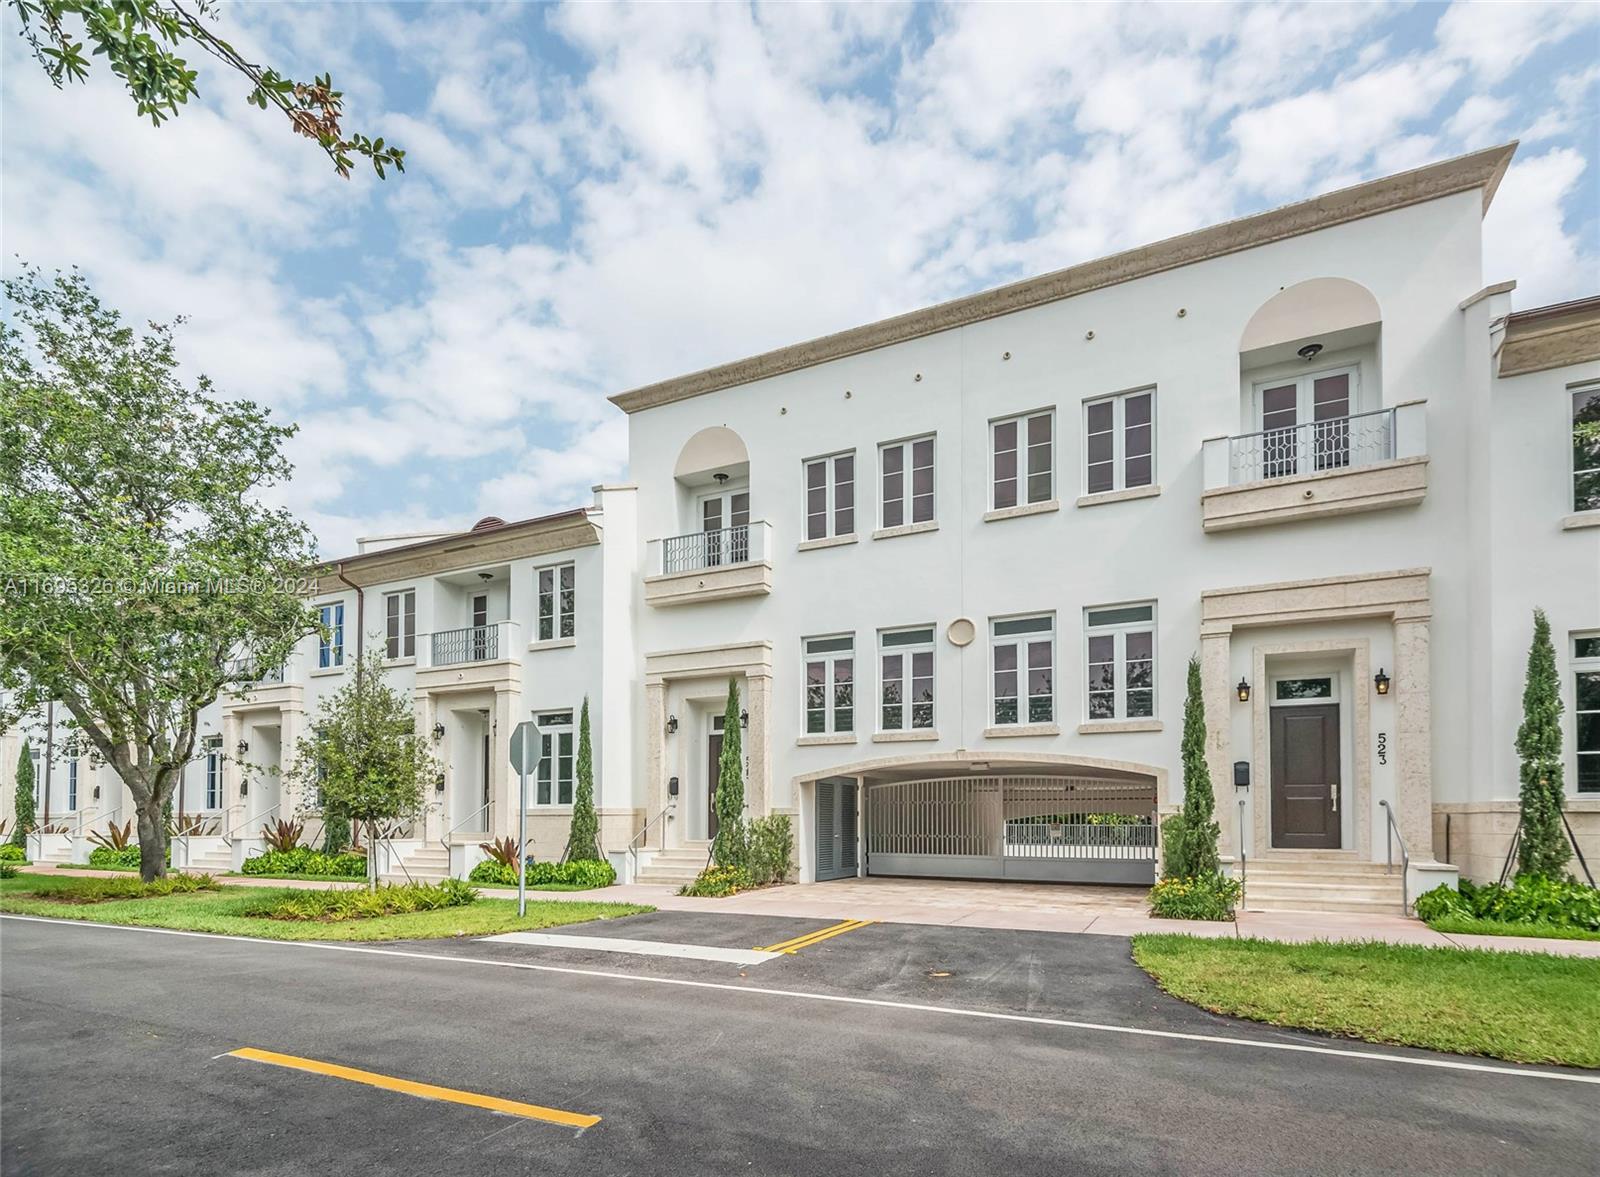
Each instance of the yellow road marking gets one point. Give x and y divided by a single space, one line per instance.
795 944
491 1103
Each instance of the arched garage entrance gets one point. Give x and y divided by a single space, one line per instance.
1035 822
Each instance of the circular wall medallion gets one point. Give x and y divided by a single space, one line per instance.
961 632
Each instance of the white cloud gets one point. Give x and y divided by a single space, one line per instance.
1495 38
1524 237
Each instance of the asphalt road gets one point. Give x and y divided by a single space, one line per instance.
889 1049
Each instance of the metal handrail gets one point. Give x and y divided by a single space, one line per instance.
261 817
1244 865
471 643
637 841
1392 837
389 842
445 839
1334 443
714 548
83 817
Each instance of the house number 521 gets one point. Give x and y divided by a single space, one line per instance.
1383 747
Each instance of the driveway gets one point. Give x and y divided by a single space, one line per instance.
878 1048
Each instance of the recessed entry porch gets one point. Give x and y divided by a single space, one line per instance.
1021 821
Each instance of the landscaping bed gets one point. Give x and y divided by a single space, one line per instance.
231 911
1556 909
1521 1006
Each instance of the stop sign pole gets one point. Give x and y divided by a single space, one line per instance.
525 759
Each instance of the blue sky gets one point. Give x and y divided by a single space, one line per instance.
597 196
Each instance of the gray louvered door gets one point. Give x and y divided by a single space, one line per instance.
837 850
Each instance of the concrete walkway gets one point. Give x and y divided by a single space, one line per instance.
1029 907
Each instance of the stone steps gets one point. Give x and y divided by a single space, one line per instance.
1322 881
675 867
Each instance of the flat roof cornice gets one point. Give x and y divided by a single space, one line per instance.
1481 169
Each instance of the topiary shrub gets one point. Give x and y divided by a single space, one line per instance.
1205 897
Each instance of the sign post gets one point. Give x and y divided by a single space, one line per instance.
525 759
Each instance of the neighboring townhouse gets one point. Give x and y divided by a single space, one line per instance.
958 560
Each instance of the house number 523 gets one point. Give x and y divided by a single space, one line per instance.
1383 747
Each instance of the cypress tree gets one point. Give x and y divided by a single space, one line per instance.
1544 849
728 848
24 797
1192 835
584 840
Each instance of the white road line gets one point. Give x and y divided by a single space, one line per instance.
744 956
875 1002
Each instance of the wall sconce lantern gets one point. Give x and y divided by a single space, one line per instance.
1244 691
242 749
744 719
1380 682
244 787
97 792
438 783
438 732
672 725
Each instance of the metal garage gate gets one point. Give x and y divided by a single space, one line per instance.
1058 829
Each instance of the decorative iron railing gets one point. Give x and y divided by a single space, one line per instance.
475 643
706 549
1312 447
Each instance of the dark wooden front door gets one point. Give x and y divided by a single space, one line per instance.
713 770
1305 777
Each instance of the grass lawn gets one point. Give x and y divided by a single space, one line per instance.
217 911
236 874
1467 925
1522 1006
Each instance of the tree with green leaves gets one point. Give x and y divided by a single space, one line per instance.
137 556
363 756
584 840
1191 834
141 41
1543 849
728 848
27 815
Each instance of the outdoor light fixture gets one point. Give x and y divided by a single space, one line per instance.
744 719
438 783
438 732
1381 682
485 576
1310 351
720 477
1244 691
242 749
672 725
97 792
244 787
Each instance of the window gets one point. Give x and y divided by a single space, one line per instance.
1119 442
1023 454
1293 690
1023 655
1120 644
906 659
72 783
556 601
554 782
400 618
831 496
1586 710
330 646
907 468
214 774
1586 448
830 684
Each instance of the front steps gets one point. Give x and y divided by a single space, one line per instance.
675 867
211 862
428 863
1322 881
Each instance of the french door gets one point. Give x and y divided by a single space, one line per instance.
725 524
1304 422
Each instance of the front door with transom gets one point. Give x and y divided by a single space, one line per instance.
1305 773
713 771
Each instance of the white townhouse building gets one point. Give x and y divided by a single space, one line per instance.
957 562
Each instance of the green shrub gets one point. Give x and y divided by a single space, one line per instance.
303 860
585 872
335 906
8 870
11 852
87 890
496 874
717 881
1531 899
108 858
770 851
1208 897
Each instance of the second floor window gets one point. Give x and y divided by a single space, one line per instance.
330 646
1119 442
556 602
907 468
554 780
831 496
400 622
830 685
1120 644
1586 710
906 659
1023 460
1023 657
1586 448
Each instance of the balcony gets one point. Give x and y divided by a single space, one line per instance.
250 686
472 643
710 565
1363 462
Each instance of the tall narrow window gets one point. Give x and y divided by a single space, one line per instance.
1023 451
906 659
330 646
907 481
553 783
1023 657
400 620
1586 448
1586 710
1120 657
72 783
831 496
1119 442
214 773
556 602
830 684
